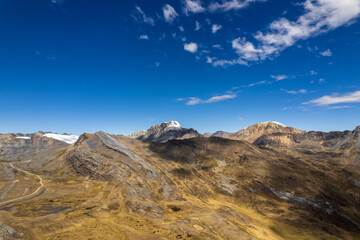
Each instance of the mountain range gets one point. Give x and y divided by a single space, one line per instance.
267 181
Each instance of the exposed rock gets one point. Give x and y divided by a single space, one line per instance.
21 146
165 131
8 233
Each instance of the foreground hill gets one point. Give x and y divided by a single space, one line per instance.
116 187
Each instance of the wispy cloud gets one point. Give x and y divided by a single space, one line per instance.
279 77
353 97
143 17
320 16
338 107
197 26
255 84
169 13
326 53
312 72
193 6
228 5
144 37
219 98
191 47
60 2
301 91
215 28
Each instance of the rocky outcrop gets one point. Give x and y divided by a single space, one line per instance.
164 132
8 233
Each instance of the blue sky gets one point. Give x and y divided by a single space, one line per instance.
121 66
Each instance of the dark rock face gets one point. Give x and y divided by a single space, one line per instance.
221 134
15 147
166 131
7 233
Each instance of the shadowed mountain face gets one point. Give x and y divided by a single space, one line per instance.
116 187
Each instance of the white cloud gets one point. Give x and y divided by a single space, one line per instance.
144 37
197 26
220 98
144 18
248 52
338 107
193 6
255 84
326 53
215 28
312 72
218 46
279 77
195 101
60 2
169 13
228 5
224 63
301 91
191 47
181 28
320 16
353 97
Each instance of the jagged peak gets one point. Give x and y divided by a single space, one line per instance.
166 126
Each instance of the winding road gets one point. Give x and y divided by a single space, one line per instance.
26 197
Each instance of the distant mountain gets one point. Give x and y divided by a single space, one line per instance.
252 133
221 134
165 131
20 146
273 134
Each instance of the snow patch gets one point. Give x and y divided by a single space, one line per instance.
283 125
174 124
23 137
70 139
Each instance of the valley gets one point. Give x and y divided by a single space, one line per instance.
175 185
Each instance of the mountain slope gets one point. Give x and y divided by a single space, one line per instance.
165 131
116 187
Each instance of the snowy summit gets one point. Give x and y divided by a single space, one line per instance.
173 124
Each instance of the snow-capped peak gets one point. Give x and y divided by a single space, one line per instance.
174 124
70 139
283 125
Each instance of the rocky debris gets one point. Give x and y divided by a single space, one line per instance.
325 207
8 233
164 132
226 185
111 143
146 209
